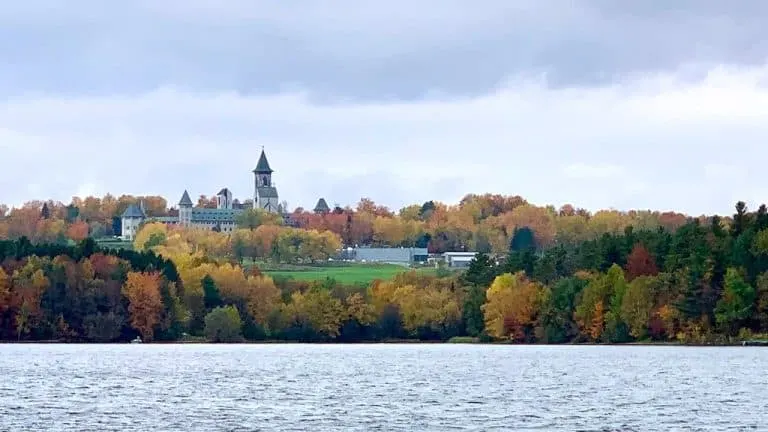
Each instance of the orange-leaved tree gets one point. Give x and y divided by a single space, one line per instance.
145 304
511 306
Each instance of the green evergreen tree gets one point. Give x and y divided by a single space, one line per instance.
223 324
211 296
737 303
472 313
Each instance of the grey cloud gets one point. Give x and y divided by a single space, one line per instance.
628 146
155 97
355 51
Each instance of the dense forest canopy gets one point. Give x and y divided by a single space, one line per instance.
482 223
561 276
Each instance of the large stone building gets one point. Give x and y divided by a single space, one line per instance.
222 218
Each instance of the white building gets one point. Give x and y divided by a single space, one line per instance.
458 259
132 218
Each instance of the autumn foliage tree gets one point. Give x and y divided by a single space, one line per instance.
78 231
5 291
144 302
315 312
511 307
593 311
29 284
640 262
637 305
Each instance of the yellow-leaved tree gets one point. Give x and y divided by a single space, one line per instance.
431 307
359 310
150 235
263 298
231 282
316 308
637 305
511 306
29 284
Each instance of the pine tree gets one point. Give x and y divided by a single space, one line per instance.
211 296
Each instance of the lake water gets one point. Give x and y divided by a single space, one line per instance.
381 388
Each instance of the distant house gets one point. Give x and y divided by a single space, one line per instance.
458 259
403 256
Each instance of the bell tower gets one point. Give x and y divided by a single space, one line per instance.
262 179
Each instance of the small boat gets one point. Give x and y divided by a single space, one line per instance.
137 340
754 343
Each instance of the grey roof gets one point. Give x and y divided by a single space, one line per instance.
214 215
133 211
266 192
322 206
262 167
165 218
391 255
185 200
199 215
224 192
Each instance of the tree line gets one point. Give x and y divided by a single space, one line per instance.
483 223
276 243
704 282
84 293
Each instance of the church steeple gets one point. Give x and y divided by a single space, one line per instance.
262 166
263 172
265 193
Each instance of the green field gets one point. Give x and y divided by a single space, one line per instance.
113 243
352 274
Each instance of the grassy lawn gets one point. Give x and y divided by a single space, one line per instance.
349 274
113 243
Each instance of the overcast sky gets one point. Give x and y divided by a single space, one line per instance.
596 103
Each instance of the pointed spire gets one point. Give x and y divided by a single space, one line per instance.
185 200
322 206
262 167
133 211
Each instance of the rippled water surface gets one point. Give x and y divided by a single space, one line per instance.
381 387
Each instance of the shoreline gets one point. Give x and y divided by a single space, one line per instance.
751 343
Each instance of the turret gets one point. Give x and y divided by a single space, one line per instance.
185 209
131 219
185 200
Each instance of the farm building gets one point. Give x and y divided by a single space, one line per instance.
458 259
403 256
